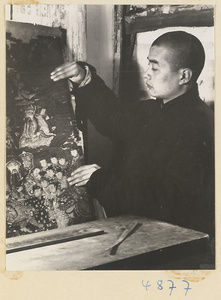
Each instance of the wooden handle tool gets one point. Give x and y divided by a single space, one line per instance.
122 237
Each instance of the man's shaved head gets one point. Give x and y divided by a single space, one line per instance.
185 51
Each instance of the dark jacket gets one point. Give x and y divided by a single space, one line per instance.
166 170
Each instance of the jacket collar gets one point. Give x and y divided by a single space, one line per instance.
190 96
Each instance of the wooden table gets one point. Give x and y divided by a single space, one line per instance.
86 246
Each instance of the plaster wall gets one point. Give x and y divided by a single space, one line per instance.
100 54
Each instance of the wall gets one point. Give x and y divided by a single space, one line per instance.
100 54
99 37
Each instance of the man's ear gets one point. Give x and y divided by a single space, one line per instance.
185 76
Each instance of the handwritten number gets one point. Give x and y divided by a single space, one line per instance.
187 288
172 287
160 282
147 285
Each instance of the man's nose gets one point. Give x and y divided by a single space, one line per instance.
147 75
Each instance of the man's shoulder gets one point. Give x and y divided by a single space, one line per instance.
202 118
203 110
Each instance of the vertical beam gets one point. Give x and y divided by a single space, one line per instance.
117 41
76 32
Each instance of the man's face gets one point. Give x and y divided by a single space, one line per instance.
161 80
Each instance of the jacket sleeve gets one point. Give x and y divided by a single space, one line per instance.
110 116
107 186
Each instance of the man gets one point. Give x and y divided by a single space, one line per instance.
167 167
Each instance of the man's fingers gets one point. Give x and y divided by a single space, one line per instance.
62 72
85 169
78 170
79 179
68 70
82 174
80 182
63 67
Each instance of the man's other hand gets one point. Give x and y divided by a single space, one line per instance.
69 70
81 176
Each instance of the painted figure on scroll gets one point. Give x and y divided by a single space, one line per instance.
35 132
167 166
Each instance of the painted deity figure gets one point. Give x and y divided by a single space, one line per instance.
45 188
50 173
35 132
44 164
32 179
63 164
21 216
27 161
54 162
54 190
36 175
62 179
38 202
76 162
14 168
9 140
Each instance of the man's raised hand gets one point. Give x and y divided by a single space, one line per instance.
69 70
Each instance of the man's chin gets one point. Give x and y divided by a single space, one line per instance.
152 94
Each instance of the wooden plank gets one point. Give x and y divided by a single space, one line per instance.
92 252
183 18
47 238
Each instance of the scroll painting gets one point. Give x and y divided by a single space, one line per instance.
43 144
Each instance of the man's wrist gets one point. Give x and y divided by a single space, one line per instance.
86 79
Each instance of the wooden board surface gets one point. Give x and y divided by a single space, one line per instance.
94 251
47 238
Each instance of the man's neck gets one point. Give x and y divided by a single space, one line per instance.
184 89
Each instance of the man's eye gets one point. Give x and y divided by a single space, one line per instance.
154 69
